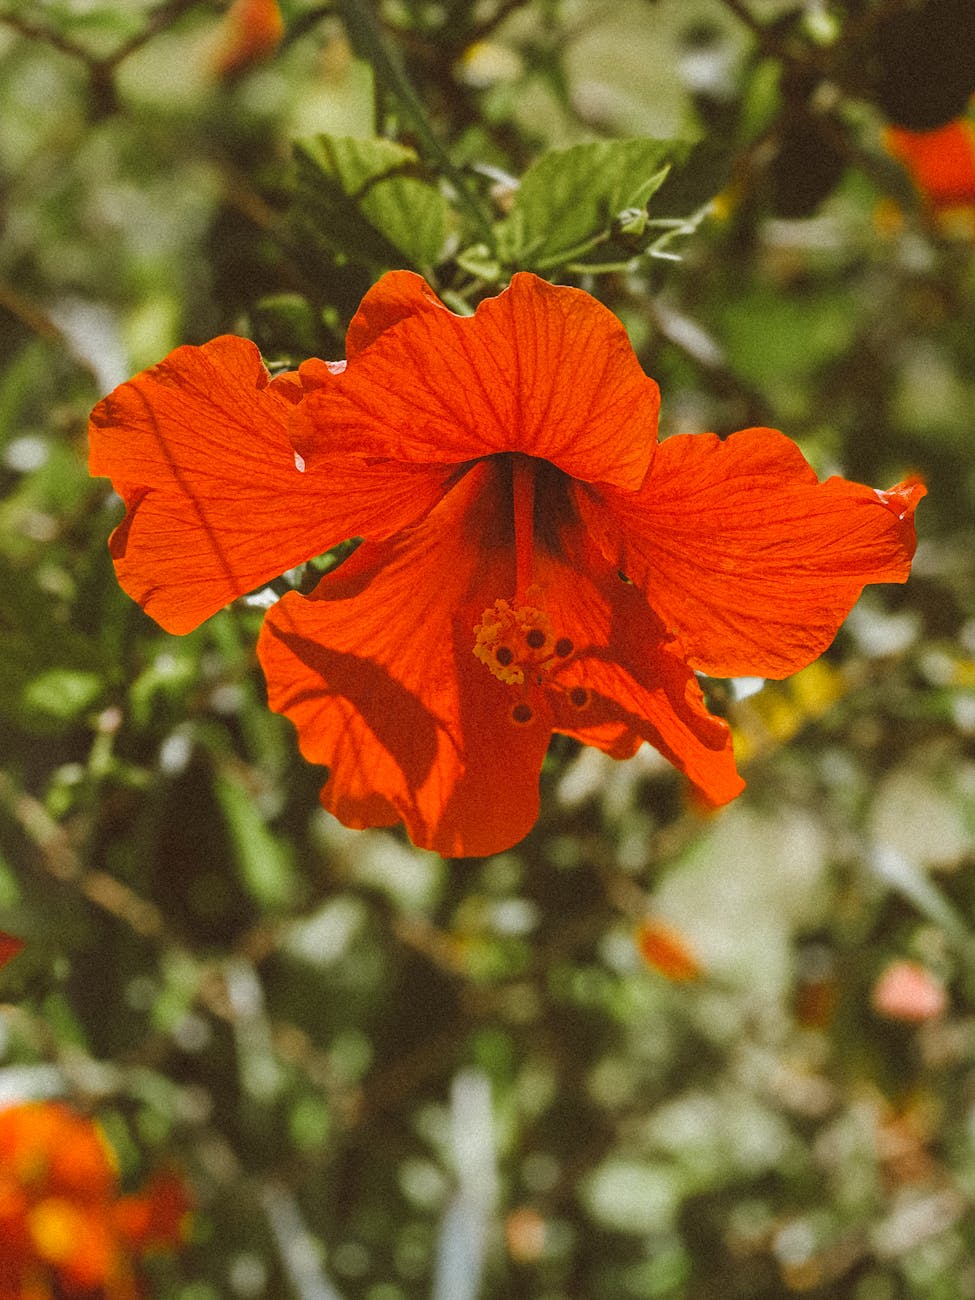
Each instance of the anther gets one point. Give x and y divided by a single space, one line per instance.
564 647
579 697
514 641
522 714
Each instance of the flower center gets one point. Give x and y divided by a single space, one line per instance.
518 645
512 640
515 639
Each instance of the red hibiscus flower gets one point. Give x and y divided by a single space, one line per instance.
64 1230
533 561
941 162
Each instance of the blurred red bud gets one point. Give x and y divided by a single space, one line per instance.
665 949
250 32
908 991
10 946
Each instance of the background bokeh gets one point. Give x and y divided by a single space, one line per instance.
387 1076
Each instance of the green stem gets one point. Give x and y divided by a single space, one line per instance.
368 41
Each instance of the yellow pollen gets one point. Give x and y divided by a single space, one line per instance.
517 645
514 640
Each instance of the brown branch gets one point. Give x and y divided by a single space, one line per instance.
159 19
788 51
29 314
101 70
40 323
58 857
745 15
35 32
479 31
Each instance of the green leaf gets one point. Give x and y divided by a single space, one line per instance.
479 261
631 1196
371 200
61 695
51 673
912 883
779 344
264 862
570 197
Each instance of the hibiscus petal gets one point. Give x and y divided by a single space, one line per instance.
378 674
544 370
745 555
629 674
395 297
198 448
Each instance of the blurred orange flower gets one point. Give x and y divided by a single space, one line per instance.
10 946
667 951
64 1230
525 1233
250 32
533 561
941 162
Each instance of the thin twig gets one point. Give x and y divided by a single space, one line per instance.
768 39
29 314
59 859
36 32
745 15
159 19
479 31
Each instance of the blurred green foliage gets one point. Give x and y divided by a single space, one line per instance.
390 1077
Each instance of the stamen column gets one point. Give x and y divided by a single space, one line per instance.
523 497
